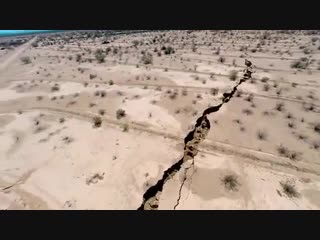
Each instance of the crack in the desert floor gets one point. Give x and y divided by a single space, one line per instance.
182 184
151 197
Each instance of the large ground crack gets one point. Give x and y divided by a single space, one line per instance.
191 143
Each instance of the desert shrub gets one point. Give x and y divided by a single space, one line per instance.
279 107
316 145
111 82
166 69
266 87
120 113
70 58
125 127
282 150
97 121
92 76
237 121
302 137
204 81
289 116
135 43
233 75
147 58
239 93
103 94
278 92
264 79
217 51
291 125
289 189
102 112
34 44
61 120
39 98
184 92
221 59
86 84
262 135
158 88
92 105
53 98
230 182
78 57
55 88
100 57
173 95
294 84
214 91
169 50
249 98
302 63
25 60
247 111
253 81
316 128
306 51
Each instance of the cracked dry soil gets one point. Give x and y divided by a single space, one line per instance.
191 143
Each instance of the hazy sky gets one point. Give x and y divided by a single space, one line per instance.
4 32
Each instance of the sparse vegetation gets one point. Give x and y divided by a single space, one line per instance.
291 125
249 98
120 113
184 92
247 111
25 60
316 128
302 63
39 98
262 135
221 59
230 182
147 58
280 107
125 127
97 121
233 75
214 91
266 87
55 88
92 76
289 189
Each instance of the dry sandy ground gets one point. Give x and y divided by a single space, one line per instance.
258 154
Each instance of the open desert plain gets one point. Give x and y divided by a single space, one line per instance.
161 120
